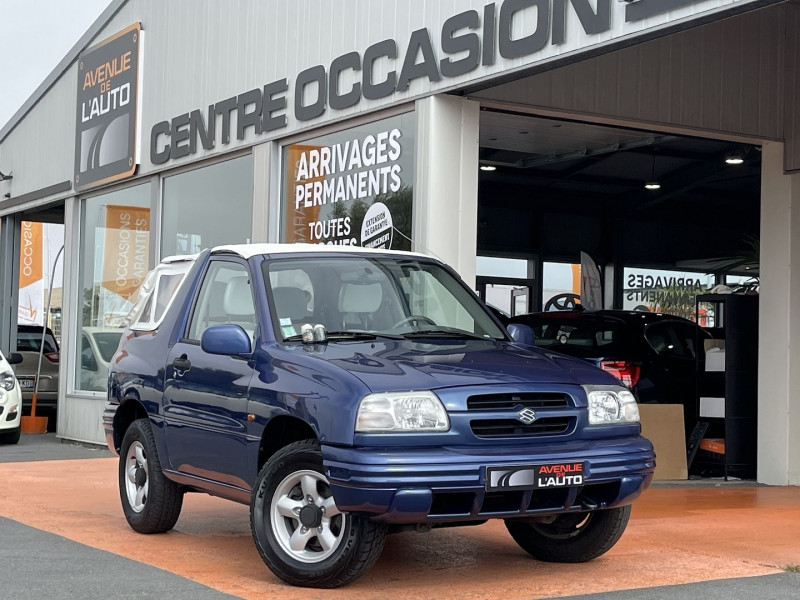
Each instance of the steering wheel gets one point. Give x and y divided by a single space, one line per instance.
562 302
411 319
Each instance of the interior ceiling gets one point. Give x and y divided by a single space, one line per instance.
596 174
52 213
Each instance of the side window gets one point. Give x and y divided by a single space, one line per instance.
666 339
225 296
165 289
88 361
692 338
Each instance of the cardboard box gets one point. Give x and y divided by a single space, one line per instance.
712 407
662 424
715 359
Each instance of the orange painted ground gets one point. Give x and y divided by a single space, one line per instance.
677 535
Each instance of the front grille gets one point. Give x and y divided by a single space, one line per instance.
526 400
487 428
480 504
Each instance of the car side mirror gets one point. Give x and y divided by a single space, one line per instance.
227 339
14 358
521 334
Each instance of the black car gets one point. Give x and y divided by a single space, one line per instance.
656 355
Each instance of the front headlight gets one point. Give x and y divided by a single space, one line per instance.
7 380
611 405
399 412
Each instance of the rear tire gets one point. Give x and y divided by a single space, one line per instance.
10 437
298 531
151 502
572 537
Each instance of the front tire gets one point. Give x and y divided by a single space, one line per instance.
10 437
572 537
151 502
299 532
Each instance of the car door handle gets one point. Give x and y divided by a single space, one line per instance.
182 363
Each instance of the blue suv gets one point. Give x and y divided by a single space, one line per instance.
346 393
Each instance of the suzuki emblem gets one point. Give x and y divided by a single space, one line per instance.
527 415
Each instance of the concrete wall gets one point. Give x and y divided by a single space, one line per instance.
779 323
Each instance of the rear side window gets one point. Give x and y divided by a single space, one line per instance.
31 341
674 338
156 293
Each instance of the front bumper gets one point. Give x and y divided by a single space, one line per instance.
448 484
10 413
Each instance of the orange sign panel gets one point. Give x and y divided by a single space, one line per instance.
126 249
297 218
30 255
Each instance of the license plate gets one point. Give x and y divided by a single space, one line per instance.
26 383
527 477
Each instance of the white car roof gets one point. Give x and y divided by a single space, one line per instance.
248 250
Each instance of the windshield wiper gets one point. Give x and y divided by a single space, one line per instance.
371 335
348 335
446 333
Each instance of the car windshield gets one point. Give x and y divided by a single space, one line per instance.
355 297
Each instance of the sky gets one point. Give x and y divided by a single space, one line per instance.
34 36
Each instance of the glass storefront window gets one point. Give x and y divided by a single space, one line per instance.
496 266
353 187
742 283
207 207
114 261
561 286
671 292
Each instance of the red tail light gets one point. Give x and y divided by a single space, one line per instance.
627 373
51 356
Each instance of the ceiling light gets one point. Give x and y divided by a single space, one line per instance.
652 184
734 159
488 168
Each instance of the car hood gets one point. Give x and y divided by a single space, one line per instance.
412 365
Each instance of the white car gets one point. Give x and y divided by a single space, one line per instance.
10 400
98 345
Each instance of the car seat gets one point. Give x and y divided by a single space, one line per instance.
291 303
358 303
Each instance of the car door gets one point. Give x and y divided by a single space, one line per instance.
205 395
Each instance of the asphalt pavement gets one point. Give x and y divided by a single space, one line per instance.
36 564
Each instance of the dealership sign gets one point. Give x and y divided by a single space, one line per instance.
106 122
126 249
498 36
351 188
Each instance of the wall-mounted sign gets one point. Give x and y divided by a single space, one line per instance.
473 43
106 133
353 187
671 292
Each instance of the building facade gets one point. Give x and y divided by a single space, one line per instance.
173 127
